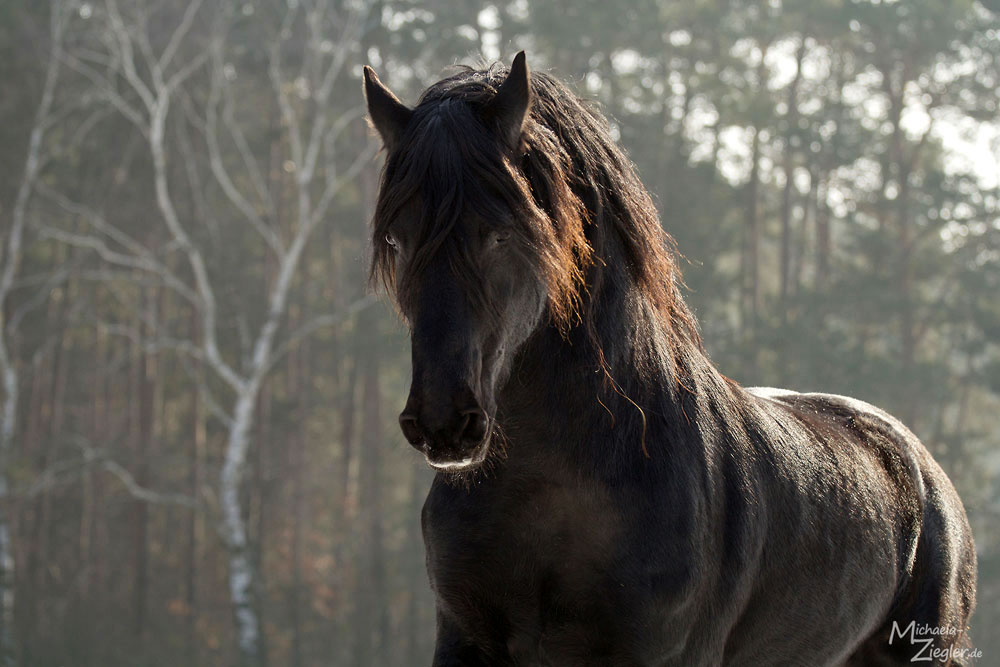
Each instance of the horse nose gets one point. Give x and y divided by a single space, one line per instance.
411 430
456 432
473 427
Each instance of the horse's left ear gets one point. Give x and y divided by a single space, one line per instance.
389 116
509 107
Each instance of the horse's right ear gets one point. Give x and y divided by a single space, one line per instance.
389 116
509 107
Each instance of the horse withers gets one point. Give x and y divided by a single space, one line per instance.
604 495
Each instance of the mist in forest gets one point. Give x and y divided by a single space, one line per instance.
199 457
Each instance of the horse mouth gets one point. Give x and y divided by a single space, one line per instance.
452 464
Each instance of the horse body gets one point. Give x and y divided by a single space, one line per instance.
636 507
789 543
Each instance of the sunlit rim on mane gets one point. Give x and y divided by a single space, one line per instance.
568 185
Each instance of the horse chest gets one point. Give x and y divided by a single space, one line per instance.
542 574
505 538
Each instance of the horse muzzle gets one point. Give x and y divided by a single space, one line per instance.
451 440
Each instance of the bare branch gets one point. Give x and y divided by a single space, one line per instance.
218 167
246 154
183 73
116 100
59 277
127 57
318 323
139 31
139 258
140 492
322 93
334 184
65 471
178 35
342 49
53 476
206 395
59 116
14 241
84 128
288 115
158 107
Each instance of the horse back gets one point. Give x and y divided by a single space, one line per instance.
935 563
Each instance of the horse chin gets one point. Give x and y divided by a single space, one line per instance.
468 463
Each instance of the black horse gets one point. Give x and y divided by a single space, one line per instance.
605 496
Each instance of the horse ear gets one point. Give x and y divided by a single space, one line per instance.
387 113
510 106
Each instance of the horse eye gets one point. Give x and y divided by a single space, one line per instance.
500 238
391 240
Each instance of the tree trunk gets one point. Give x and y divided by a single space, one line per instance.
370 618
195 480
896 166
415 609
829 164
751 258
242 575
13 252
822 233
258 500
346 503
141 444
54 411
296 369
907 325
791 133
751 240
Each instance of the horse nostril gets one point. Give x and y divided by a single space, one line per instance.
474 426
411 430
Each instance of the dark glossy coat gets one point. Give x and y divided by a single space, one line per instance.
606 496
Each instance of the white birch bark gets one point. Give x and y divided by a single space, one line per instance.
13 253
311 131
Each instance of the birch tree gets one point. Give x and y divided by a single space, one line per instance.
14 246
184 82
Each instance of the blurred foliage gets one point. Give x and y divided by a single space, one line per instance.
823 165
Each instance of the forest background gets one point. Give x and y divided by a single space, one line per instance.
199 461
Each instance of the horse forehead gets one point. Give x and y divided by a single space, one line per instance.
446 125
448 113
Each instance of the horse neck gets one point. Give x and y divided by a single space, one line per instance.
625 377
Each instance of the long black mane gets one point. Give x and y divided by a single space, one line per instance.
574 192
